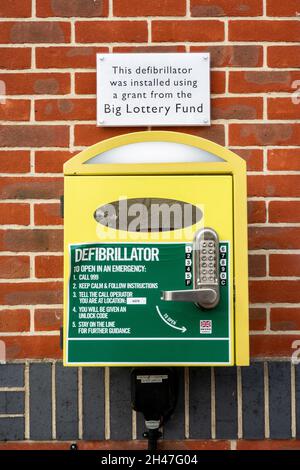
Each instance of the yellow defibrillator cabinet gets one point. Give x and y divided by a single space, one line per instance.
155 252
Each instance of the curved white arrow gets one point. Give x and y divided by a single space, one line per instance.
182 328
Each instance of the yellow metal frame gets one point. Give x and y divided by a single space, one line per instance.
232 164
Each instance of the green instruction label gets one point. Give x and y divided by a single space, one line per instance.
115 311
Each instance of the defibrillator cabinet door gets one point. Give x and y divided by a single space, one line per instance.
150 268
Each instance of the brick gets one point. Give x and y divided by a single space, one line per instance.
264 30
149 49
226 8
174 427
32 347
15 9
283 56
31 240
15 58
111 31
257 265
215 132
47 319
146 8
269 444
28 293
264 134
265 345
11 403
11 375
284 211
31 187
67 57
274 185
12 429
14 267
237 108
285 319
88 134
14 320
93 402
51 161
47 214
40 406
163 445
35 32
256 212
253 401
282 108
36 445
16 214
34 136
274 291
233 56
257 317
284 265
72 8
215 8
200 402
217 84
120 407
15 110
49 266
274 238
280 400
14 161
36 83
253 157
188 30
226 403
85 83
66 381
284 159
279 8
252 81
65 109
124 445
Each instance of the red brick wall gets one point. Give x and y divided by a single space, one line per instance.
47 62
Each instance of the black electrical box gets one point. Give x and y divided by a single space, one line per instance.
154 392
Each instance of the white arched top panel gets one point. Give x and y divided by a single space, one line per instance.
154 152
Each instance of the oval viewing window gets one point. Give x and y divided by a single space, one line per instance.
148 215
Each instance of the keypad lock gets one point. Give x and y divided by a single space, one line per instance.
206 287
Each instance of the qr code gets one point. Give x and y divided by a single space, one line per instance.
206 327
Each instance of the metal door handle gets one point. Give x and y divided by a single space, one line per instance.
200 296
206 289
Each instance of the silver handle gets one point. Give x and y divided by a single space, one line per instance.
199 296
206 289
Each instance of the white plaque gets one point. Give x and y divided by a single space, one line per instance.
153 89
